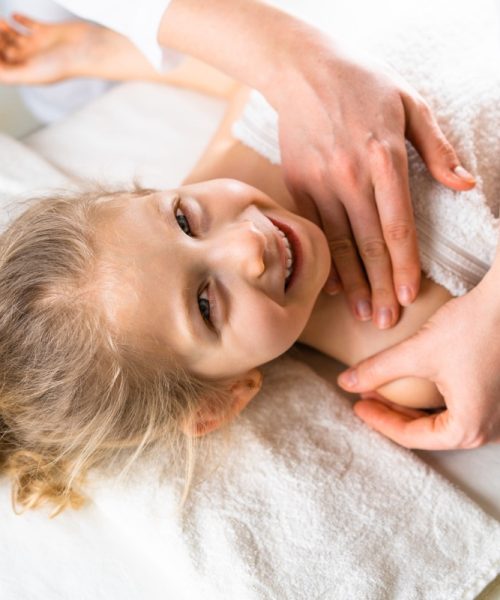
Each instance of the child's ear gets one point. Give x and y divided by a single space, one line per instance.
241 390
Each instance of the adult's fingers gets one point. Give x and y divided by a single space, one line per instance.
333 284
408 358
9 47
389 166
430 142
25 21
431 432
365 224
345 257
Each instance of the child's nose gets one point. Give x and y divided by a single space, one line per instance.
241 249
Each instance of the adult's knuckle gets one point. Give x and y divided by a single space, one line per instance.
341 247
356 287
346 170
317 173
389 157
407 271
380 145
373 249
399 156
421 106
397 231
383 294
372 371
444 147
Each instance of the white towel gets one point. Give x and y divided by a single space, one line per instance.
305 501
450 52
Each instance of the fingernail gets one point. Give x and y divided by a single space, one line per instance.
463 174
348 379
364 309
405 295
384 318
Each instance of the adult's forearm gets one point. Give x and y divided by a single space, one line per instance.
246 39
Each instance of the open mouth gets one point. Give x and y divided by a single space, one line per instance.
289 253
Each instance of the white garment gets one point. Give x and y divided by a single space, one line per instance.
449 51
138 21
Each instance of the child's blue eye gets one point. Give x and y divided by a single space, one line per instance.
204 305
183 221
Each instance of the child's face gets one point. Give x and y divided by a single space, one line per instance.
202 271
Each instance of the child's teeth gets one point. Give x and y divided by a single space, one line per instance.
289 254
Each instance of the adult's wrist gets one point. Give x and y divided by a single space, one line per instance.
250 41
301 50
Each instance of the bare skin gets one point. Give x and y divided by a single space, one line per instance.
332 327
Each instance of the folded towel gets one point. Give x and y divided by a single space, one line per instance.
450 52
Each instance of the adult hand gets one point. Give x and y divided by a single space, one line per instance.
343 122
37 53
458 349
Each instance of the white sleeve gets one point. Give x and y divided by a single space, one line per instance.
138 21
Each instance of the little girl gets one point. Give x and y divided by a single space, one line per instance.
137 317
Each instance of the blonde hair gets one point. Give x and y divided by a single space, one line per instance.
73 392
